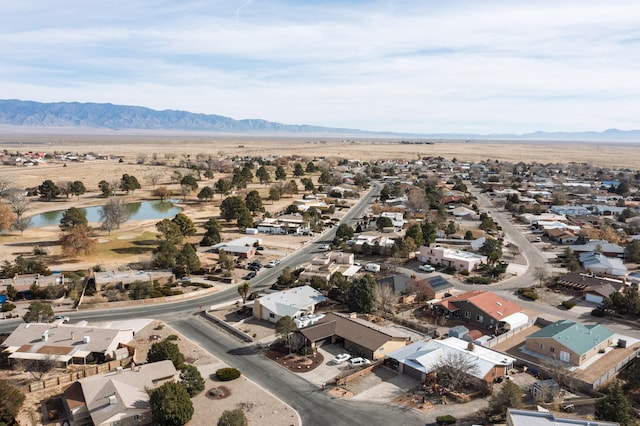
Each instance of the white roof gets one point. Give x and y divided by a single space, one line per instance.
516 320
425 356
290 302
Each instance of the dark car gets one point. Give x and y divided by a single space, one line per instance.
254 267
250 275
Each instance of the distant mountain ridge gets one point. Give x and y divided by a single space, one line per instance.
120 117
32 114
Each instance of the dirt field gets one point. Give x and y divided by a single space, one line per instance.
604 154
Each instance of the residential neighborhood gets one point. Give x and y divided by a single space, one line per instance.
430 290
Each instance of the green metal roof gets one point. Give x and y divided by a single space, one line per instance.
576 337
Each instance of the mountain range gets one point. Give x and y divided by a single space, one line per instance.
106 116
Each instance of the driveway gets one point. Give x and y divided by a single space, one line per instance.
382 385
327 371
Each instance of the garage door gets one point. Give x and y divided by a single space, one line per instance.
593 298
412 372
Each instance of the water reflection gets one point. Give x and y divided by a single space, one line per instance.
140 210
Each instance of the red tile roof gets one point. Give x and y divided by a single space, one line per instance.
491 304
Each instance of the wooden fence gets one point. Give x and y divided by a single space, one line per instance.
77 375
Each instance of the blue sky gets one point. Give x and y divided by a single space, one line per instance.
423 66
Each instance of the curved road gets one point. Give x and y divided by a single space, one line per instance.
314 406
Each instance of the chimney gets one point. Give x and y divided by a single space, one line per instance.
73 335
471 346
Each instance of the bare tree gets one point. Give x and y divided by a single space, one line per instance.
456 368
141 158
153 177
19 203
417 200
541 275
385 299
22 224
114 213
5 184
561 372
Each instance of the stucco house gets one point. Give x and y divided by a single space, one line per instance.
424 357
598 263
457 259
570 341
360 337
66 344
243 247
294 302
120 397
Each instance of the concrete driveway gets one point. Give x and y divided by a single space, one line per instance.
383 385
327 371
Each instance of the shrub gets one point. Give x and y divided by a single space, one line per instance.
597 313
446 420
478 280
528 293
172 337
306 351
226 374
568 304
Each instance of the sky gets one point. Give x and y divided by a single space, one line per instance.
419 66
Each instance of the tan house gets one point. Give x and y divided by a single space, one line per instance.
456 259
324 266
66 344
120 397
570 341
360 337
294 302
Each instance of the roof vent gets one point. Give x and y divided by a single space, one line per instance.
86 339
112 399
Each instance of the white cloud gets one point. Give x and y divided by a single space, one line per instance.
415 66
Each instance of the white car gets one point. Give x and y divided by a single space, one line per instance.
325 247
340 358
356 362
427 268
62 318
272 264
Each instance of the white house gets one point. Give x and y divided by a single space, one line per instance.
457 259
294 302
421 358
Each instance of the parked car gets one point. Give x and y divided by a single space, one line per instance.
427 268
372 267
272 264
356 362
62 318
340 358
254 267
250 275
325 247
537 240
259 248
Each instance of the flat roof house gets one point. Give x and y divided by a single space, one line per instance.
457 259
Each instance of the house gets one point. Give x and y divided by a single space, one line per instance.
119 397
419 359
244 247
482 308
294 302
437 287
561 236
570 341
66 344
283 224
23 283
122 279
397 219
545 418
325 265
600 246
598 263
594 289
457 259
361 337
399 283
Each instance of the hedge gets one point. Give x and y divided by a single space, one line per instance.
529 293
226 374
568 304
446 420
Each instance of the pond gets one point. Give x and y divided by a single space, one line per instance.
140 210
